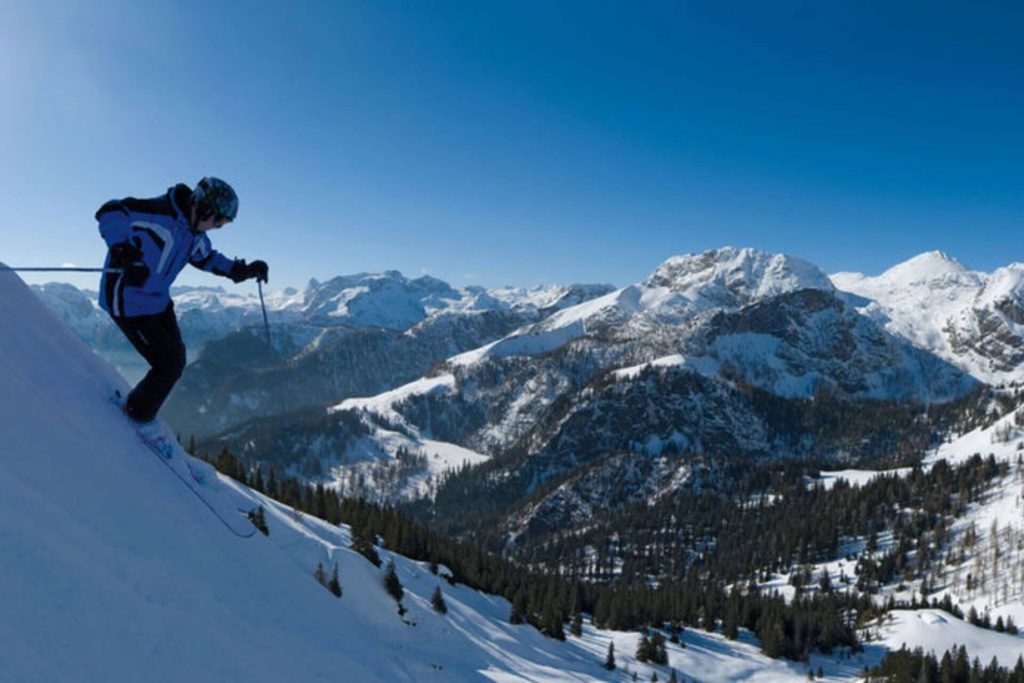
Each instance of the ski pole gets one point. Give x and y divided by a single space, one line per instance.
266 325
60 270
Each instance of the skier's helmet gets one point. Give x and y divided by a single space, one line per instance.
215 199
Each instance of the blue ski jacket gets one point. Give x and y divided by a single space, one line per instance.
160 227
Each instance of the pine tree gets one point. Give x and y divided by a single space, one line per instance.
258 517
518 615
576 628
644 649
437 601
272 488
320 575
334 585
730 624
364 542
556 624
392 584
609 660
659 653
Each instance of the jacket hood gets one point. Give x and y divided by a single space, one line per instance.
181 199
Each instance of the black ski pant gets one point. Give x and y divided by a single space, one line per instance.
158 339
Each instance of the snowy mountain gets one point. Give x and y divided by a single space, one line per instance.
115 570
681 291
767 318
657 363
971 319
730 277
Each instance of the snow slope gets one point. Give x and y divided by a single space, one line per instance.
937 631
384 443
970 319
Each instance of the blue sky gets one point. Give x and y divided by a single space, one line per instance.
523 142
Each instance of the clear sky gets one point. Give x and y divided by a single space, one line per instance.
521 142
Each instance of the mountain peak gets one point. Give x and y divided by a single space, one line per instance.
735 276
925 267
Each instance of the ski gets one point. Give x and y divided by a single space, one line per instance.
165 448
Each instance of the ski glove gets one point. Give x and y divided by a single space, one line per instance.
128 257
242 271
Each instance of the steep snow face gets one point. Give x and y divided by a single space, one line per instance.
970 319
731 277
720 279
917 298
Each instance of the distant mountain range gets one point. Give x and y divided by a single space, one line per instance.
384 300
970 319
486 371
348 336
570 373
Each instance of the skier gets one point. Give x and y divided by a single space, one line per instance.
150 241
